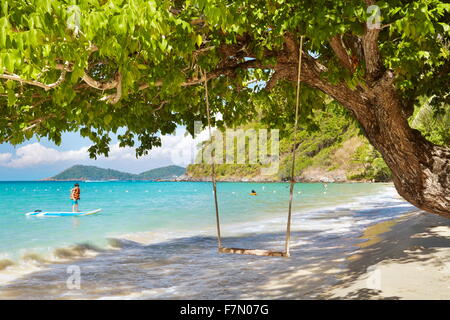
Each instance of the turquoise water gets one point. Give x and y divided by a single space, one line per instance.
156 240
129 207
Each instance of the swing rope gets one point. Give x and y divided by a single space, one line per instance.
286 252
291 189
213 169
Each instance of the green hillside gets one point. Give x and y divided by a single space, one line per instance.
335 151
169 172
80 172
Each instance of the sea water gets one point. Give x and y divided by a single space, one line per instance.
180 217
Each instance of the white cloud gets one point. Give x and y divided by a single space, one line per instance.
36 154
4 157
176 149
181 149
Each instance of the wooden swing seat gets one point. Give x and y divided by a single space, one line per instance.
254 252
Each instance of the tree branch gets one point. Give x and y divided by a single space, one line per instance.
114 98
225 71
372 57
32 125
98 84
115 83
341 53
46 87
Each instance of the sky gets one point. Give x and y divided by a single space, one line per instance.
39 159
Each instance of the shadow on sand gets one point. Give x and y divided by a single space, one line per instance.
398 244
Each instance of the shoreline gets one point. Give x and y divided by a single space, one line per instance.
209 180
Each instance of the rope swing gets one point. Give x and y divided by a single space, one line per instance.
213 169
257 252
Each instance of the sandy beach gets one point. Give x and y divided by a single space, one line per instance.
406 258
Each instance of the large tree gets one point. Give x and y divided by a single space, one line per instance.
97 66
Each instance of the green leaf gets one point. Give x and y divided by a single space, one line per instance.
445 26
8 61
5 8
199 40
11 97
108 119
3 36
163 44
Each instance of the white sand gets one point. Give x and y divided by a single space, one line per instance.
423 274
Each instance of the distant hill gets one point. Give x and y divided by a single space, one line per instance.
169 172
82 173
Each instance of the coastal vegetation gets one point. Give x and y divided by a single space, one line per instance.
333 150
98 66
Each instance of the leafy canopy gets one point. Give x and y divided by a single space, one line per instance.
97 66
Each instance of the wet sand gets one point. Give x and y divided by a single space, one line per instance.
406 258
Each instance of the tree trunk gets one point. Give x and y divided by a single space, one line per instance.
421 170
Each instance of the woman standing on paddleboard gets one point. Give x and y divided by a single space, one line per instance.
75 196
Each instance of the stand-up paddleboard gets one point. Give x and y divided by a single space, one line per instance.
62 214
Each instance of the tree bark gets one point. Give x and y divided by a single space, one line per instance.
421 170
